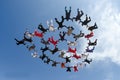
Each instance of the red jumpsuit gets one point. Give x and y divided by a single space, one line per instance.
89 35
75 68
38 34
76 56
51 40
72 50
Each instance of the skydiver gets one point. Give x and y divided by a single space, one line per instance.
92 43
63 65
28 34
91 34
76 36
79 15
60 23
47 61
18 42
34 55
40 27
91 28
62 36
67 16
87 61
70 30
76 56
31 47
62 53
27 39
54 63
54 42
45 42
72 50
50 25
38 34
43 56
90 50
84 55
54 50
86 21
70 43
75 68
68 69
44 49
67 59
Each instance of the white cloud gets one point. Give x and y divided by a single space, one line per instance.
108 19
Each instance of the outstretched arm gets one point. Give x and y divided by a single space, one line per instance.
56 20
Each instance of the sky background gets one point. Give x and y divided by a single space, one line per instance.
17 15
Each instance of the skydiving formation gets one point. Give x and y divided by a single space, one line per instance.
66 45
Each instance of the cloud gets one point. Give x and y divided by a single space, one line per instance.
108 20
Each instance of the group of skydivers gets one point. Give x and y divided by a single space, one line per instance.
28 38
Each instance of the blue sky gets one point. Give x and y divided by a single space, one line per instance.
17 15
